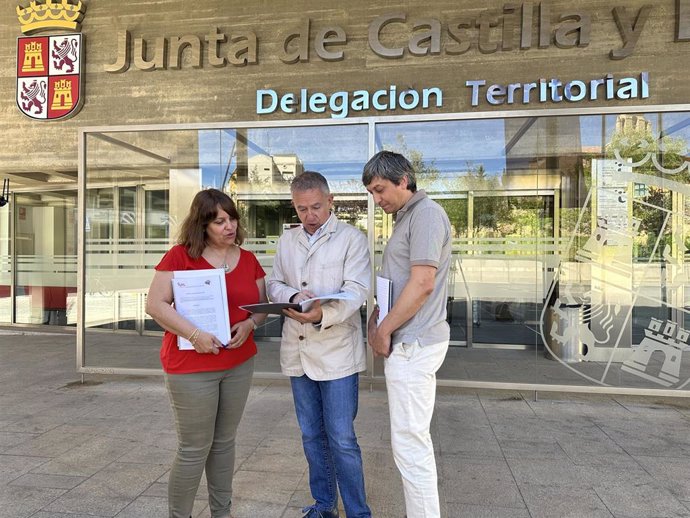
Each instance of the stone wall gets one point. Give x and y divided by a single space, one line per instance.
224 92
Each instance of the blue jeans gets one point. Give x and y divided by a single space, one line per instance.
326 411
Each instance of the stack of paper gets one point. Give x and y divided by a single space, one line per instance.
202 298
384 297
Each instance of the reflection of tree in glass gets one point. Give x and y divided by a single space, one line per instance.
492 215
635 140
570 215
427 173
651 223
257 180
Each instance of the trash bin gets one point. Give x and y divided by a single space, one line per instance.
563 338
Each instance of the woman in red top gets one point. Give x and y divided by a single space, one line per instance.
208 387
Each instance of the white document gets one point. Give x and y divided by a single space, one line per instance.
384 297
201 297
306 304
276 308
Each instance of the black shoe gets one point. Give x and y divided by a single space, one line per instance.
313 512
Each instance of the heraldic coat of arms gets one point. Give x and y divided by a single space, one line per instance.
49 66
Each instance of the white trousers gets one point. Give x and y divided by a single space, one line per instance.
411 384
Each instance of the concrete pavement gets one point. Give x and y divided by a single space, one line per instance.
103 448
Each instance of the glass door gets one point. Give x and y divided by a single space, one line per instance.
506 232
460 302
46 257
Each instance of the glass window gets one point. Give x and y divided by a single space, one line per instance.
569 244
46 257
153 176
100 210
157 219
127 212
570 233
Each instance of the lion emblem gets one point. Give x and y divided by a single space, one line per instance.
65 54
33 95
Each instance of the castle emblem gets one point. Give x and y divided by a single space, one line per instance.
669 343
49 67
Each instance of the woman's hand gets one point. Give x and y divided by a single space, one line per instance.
240 332
207 343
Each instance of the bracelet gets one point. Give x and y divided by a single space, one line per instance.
193 337
254 324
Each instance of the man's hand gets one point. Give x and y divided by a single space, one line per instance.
301 296
312 316
379 342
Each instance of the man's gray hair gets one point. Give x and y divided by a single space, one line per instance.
392 166
310 180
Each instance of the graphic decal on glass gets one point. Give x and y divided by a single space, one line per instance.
616 311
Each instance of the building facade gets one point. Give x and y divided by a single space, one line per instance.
555 134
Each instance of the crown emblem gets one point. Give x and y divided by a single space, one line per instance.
50 15
33 47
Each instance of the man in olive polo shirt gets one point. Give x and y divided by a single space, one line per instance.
414 335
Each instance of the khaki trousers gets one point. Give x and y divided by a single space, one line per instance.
207 408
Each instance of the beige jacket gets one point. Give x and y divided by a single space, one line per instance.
337 262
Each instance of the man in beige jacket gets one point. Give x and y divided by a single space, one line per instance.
322 349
